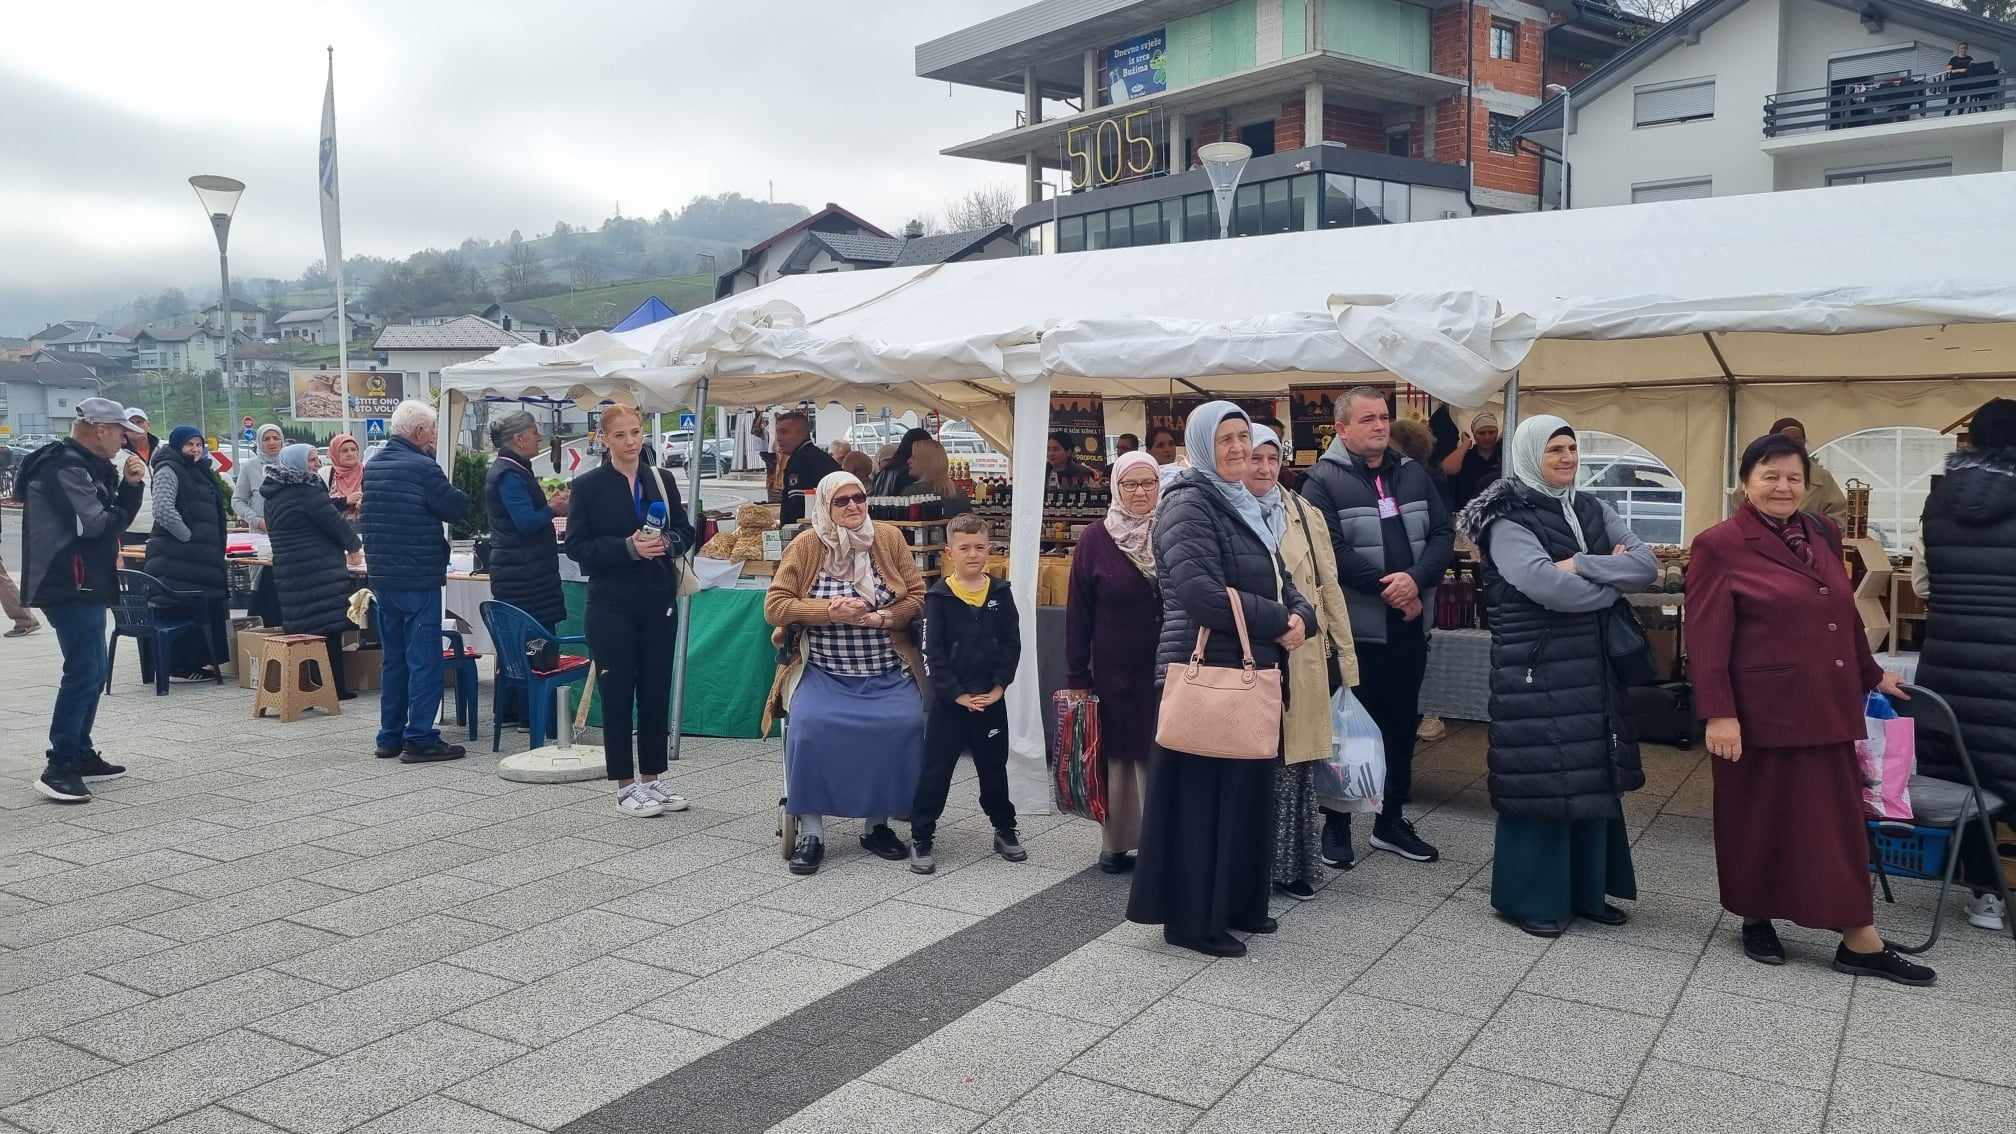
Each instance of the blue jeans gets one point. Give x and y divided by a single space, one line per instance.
80 631
409 629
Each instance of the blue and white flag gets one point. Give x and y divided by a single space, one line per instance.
332 213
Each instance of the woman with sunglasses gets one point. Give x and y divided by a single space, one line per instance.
849 674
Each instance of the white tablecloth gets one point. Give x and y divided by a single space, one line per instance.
463 598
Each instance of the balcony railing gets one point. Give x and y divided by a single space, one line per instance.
1884 99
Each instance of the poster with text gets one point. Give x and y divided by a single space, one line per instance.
1312 419
372 393
1174 412
1137 66
1080 420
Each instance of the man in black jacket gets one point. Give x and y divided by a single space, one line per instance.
972 645
800 465
1391 532
76 508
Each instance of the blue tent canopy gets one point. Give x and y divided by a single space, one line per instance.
649 311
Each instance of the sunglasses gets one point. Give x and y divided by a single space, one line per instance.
850 500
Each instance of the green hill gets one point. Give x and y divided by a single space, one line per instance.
602 306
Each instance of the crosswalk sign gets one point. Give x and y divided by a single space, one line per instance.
688 420
374 429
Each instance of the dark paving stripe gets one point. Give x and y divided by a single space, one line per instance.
756 1082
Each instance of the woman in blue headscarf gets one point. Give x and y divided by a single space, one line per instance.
1207 834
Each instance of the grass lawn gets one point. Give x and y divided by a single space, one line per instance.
602 306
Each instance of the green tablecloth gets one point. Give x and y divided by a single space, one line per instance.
731 667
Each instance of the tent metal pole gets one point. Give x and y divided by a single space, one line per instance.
1511 404
683 633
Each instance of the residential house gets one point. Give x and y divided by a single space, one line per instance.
80 335
763 261
189 349
318 325
845 252
62 329
104 366
422 350
1756 96
40 397
536 323
246 318
13 349
1355 112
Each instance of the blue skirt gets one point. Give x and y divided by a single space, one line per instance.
855 745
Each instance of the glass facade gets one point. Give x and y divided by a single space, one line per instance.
1303 203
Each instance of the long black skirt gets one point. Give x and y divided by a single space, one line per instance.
1206 844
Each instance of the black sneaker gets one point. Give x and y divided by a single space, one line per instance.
1888 964
1264 925
1300 889
1398 837
1115 862
1338 852
807 855
64 786
1008 846
430 753
94 768
1761 944
1216 945
882 842
388 752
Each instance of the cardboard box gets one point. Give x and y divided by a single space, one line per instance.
245 648
363 669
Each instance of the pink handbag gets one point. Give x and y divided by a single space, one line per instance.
1213 710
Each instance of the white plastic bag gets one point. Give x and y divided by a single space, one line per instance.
1354 777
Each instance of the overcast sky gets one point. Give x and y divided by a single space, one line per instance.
454 119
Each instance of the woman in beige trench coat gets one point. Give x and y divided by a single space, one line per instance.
1324 662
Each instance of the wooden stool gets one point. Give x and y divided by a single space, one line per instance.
283 680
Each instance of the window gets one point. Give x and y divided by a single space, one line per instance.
1892 173
1119 229
1634 482
1304 215
1274 207
1499 134
1147 224
1662 104
1672 190
1400 142
1395 198
1095 231
1897 463
1504 39
1339 198
1246 211
1198 221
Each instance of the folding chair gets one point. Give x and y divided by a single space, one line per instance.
154 614
1941 809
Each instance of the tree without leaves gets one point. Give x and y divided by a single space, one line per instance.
983 207
583 272
521 276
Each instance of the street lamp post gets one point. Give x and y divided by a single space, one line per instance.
1566 106
1224 163
219 198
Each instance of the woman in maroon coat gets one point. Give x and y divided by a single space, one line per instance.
1781 668
1111 622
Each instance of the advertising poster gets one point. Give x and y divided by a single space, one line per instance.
1137 66
372 393
1081 419
1313 417
1174 412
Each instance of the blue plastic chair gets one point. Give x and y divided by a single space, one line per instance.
514 631
154 614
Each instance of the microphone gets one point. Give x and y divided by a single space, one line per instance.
654 520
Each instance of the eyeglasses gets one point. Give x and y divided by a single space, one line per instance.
850 500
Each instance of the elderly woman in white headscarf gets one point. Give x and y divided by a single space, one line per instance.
1325 662
849 676
1557 564
1207 836
250 474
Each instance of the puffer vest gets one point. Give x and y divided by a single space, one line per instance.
524 566
198 564
1560 746
1970 630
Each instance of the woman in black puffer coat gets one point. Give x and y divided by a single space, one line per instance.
186 547
1970 631
311 543
1555 563
1208 826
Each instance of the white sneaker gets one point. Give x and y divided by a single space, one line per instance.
1431 728
638 802
1985 911
661 792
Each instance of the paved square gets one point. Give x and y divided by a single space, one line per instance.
263 929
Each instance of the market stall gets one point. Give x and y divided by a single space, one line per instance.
1671 314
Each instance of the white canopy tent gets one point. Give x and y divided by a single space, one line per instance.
1651 317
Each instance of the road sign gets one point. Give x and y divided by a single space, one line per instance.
573 460
374 429
219 458
246 437
247 423
688 420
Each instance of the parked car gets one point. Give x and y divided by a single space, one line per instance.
1645 493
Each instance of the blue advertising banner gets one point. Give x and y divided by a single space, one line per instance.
1136 67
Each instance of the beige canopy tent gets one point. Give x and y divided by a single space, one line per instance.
1680 325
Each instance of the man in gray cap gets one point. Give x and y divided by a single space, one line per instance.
76 503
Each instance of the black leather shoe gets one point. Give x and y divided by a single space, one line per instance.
1761 944
430 753
807 856
1113 863
1264 925
882 842
1300 889
1538 928
384 752
1608 915
1888 964
1216 945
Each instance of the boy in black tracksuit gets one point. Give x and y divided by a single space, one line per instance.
972 644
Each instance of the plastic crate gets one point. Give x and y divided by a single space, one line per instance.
1918 852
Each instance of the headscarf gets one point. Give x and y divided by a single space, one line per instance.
1529 442
1134 535
847 549
1273 505
291 465
1481 421
342 481
182 435
1200 436
259 438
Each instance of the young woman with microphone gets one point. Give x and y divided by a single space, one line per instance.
627 529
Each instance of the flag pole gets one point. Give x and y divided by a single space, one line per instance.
342 306
332 237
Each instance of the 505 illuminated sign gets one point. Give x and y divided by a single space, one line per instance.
1111 150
